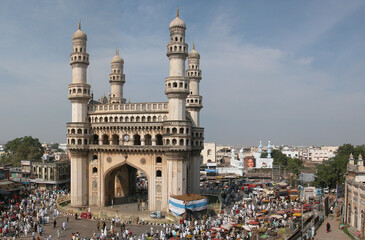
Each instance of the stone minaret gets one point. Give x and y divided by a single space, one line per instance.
176 85
78 130
194 100
117 79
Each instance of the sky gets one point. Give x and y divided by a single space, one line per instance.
292 72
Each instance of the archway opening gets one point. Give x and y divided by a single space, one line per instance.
126 185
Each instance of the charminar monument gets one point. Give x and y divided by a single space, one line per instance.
111 140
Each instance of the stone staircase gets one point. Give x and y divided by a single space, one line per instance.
353 231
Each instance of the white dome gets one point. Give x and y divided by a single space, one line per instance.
177 22
194 54
79 35
117 59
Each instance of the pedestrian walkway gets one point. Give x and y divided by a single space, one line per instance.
335 233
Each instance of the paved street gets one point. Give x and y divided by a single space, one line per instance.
85 227
335 232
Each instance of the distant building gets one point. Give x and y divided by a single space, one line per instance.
354 214
318 154
49 175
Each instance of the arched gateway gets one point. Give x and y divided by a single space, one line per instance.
112 141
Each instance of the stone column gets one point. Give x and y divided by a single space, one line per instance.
79 179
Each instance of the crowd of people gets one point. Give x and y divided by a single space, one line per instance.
243 217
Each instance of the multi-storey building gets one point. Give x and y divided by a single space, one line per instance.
111 140
354 208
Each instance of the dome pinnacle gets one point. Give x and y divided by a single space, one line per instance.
177 12
80 24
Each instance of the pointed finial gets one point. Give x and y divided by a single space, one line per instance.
360 156
117 52
351 156
177 12
193 46
80 24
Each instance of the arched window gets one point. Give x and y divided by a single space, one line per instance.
167 141
73 141
174 141
79 141
159 139
147 139
187 142
181 84
149 119
85 141
158 160
106 140
181 142
116 119
187 131
116 139
154 119
174 130
137 139
209 152
143 119
174 84
132 119
169 85
73 131
106 119
181 130
138 119
96 140
95 169
126 119
158 173
95 157
79 131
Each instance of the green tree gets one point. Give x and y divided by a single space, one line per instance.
24 148
292 165
333 171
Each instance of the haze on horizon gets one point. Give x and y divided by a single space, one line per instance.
289 72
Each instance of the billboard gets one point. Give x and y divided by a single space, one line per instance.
249 162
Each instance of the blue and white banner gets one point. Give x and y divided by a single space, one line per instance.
196 205
176 206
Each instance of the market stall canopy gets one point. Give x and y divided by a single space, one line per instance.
193 202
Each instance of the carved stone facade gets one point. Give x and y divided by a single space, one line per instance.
111 140
354 209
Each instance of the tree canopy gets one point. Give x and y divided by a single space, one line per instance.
24 148
333 172
292 165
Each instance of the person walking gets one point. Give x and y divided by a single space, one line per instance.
64 226
328 227
98 225
54 223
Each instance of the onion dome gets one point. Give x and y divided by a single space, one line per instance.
79 34
193 53
117 58
177 22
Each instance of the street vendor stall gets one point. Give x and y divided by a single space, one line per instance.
178 204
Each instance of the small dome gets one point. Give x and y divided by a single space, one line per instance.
177 22
117 58
79 35
193 53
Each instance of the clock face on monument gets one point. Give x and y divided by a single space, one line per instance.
126 138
